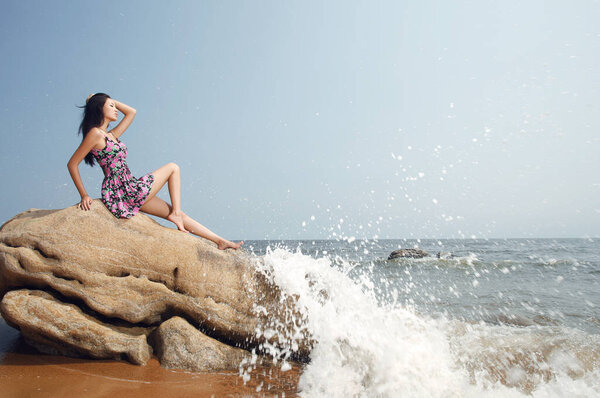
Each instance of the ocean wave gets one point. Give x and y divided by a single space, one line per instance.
553 262
365 348
469 260
525 358
520 320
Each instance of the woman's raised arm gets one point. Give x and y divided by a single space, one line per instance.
90 141
129 113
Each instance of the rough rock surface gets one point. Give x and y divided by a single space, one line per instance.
58 328
180 345
135 272
408 253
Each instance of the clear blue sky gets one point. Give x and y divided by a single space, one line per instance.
403 119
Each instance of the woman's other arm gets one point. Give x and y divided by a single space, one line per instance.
129 113
92 139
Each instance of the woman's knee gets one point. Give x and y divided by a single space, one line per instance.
173 166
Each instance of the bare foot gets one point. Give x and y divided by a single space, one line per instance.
225 244
177 219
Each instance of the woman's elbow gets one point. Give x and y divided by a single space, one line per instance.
71 165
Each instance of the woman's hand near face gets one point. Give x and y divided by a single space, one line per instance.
129 113
86 203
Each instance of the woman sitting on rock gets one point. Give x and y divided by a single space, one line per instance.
123 194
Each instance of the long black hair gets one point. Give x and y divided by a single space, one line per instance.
93 116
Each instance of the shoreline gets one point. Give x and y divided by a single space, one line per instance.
25 372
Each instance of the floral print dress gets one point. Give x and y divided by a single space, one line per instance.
122 193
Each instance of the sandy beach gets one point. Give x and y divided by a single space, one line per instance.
24 372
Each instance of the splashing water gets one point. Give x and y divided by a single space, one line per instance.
365 347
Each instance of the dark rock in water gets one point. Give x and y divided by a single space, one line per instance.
444 255
408 253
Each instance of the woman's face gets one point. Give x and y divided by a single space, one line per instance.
110 110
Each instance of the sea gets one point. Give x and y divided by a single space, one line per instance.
490 318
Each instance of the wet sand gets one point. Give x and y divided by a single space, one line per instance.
24 372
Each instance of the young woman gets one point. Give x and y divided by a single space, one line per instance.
123 194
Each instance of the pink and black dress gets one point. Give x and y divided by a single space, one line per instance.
122 193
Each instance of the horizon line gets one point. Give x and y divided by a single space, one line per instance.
380 239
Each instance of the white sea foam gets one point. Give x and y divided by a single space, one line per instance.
365 349
470 259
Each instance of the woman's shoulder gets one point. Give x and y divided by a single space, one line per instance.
95 134
96 137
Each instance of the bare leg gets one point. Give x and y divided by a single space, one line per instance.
160 208
169 172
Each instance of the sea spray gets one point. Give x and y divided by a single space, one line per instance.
360 347
365 346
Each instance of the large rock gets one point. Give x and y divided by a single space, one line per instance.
139 273
179 345
58 328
